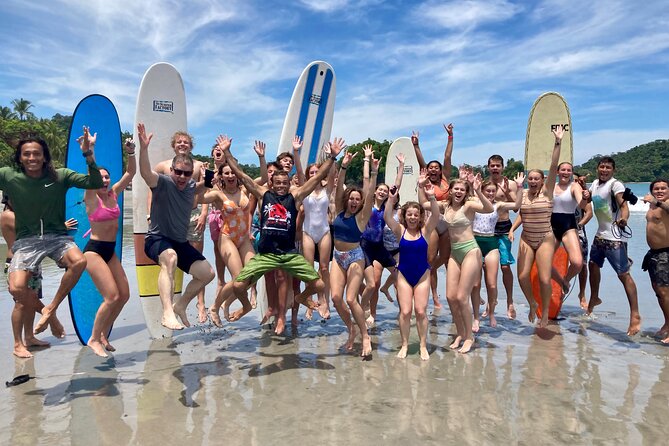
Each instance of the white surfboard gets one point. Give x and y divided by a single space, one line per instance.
310 112
408 190
549 110
161 107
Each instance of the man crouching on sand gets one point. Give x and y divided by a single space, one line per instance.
656 261
166 240
276 249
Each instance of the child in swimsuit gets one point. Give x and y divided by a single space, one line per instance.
413 279
484 233
464 265
102 263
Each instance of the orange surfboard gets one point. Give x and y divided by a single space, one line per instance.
560 263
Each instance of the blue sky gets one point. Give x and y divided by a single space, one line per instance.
400 66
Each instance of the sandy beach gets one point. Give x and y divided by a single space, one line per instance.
581 381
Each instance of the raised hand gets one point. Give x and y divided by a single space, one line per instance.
223 142
393 192
400 158
259 147
347 159
129 145
368 150
87 141
464 172
422 177
375 164
429 190
414 138
144 139
297 143
449 129
558 131
336 146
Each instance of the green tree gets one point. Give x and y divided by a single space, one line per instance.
55 138
7 113
22 108
512 168
354 170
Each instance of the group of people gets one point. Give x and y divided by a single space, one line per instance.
278 225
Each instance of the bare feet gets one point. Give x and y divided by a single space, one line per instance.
108 346
254 297
237 315
370 321
485 311
662 332
44 320
476 326
543 322
215 317
594 301
583 302
532 315
180 312
424 355
493 320
403 352
466 346
309 315
201 314
20 351
172 323
635 325
324 310
665 340
511 311
352 334
226 311
456 343
306 301
268 314
57 328
34 342
386 292
97 348
280 325
366 346
436 302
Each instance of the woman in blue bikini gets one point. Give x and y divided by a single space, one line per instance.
413 280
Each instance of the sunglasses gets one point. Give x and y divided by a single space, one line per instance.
185 173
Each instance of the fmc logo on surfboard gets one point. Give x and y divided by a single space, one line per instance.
163 106
565 127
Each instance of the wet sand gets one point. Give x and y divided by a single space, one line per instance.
580 381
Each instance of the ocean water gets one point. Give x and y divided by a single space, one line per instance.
581 381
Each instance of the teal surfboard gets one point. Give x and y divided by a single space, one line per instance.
99 114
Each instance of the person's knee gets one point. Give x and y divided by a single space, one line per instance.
239 288
524 276
421 314
168 259
78 264
323 270
577 264
205 273
405 314
337 299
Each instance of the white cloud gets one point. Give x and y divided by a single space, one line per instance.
325 5
463 14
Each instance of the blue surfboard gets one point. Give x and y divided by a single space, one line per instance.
99 115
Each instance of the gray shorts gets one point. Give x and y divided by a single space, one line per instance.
193 235
30 251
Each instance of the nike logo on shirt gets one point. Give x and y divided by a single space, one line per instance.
50 184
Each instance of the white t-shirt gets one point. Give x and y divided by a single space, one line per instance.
601 205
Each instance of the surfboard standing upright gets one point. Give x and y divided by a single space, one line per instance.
309 116
549 111
161 106
98 113
408 190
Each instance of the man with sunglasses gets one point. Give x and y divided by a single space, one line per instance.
166 240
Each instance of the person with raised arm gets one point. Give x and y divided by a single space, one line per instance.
537 241
610 207
438 174
102 264
353 209
276 248
172 198
413 278
656 261
38 192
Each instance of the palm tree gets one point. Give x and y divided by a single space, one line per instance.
22 107
7 113
55 139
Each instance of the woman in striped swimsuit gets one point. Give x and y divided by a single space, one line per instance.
537 241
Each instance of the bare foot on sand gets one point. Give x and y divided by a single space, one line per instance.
107 345
635 325
34 342
466 346
456 342
424 355
476 326
403 352
493 320
280 325
662 332
237 315
386 292
180 311
532 315
665 340
594 301
44 320
511 311
366 347
172 323
201 314
436 302
97 348
352 334
543 322
215 317
20 351
57 328
485 311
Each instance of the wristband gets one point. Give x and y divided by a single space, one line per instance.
87 153
342 168
450 137
131 154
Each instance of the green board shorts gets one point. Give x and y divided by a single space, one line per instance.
293 264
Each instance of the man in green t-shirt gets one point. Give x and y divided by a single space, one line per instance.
38 197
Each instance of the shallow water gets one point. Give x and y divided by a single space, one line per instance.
581 381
